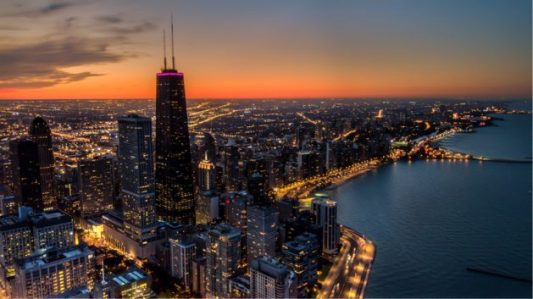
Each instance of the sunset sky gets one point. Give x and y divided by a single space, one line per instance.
268 49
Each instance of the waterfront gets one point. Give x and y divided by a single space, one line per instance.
431 220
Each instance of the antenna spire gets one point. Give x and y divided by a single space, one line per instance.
164 50
172 33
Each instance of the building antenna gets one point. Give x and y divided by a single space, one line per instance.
164 50
172 33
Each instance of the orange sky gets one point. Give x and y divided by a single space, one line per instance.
305 51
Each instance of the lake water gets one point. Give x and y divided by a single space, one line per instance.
433 219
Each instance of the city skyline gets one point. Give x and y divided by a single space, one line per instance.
236 50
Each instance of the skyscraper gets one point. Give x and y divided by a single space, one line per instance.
262 231
223 255
26 173
135 157
41 134
206 175
95 176
325 211
173 173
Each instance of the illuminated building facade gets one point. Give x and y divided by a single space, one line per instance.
206 175
96 185
21 235
135 157
271 279
325 211
223 255
262 233
173 172
182 253
52 272
133 283
41 134
302 256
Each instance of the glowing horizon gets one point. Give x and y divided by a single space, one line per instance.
276 50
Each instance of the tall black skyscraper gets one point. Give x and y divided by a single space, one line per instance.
26 178
173 171
41 134
136 164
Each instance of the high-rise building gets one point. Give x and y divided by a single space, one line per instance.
173 172
301 255
206 175
22 234
26 173
223 255
95 176
231 166
182 253
199 276
308 164
41 134
135 157
271 279
207 207
262 231
325 211
52 272
257 187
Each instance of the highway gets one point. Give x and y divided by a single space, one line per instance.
349 274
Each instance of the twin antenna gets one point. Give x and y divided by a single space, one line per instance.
165 44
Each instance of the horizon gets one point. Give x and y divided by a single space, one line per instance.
475 50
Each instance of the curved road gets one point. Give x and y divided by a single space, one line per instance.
350 271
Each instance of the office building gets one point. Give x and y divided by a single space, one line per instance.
52 272
223 255
325 211
173 171
95 176
199 278
136 168
302 256
271 279
133 283
206 175
262 233
23 234
40 133
26 173
182 253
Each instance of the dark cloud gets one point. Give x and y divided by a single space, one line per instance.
55 7
40 11
114 19
41 64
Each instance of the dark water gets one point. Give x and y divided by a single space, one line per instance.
433 219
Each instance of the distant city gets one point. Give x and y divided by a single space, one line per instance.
128 199
419 187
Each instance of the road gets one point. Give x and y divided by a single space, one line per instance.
350 271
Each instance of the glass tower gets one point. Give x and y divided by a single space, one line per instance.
173 171
136 162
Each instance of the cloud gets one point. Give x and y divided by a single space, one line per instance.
42 64
143 27
40 11
113 19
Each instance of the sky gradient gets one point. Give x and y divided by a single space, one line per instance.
268 49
